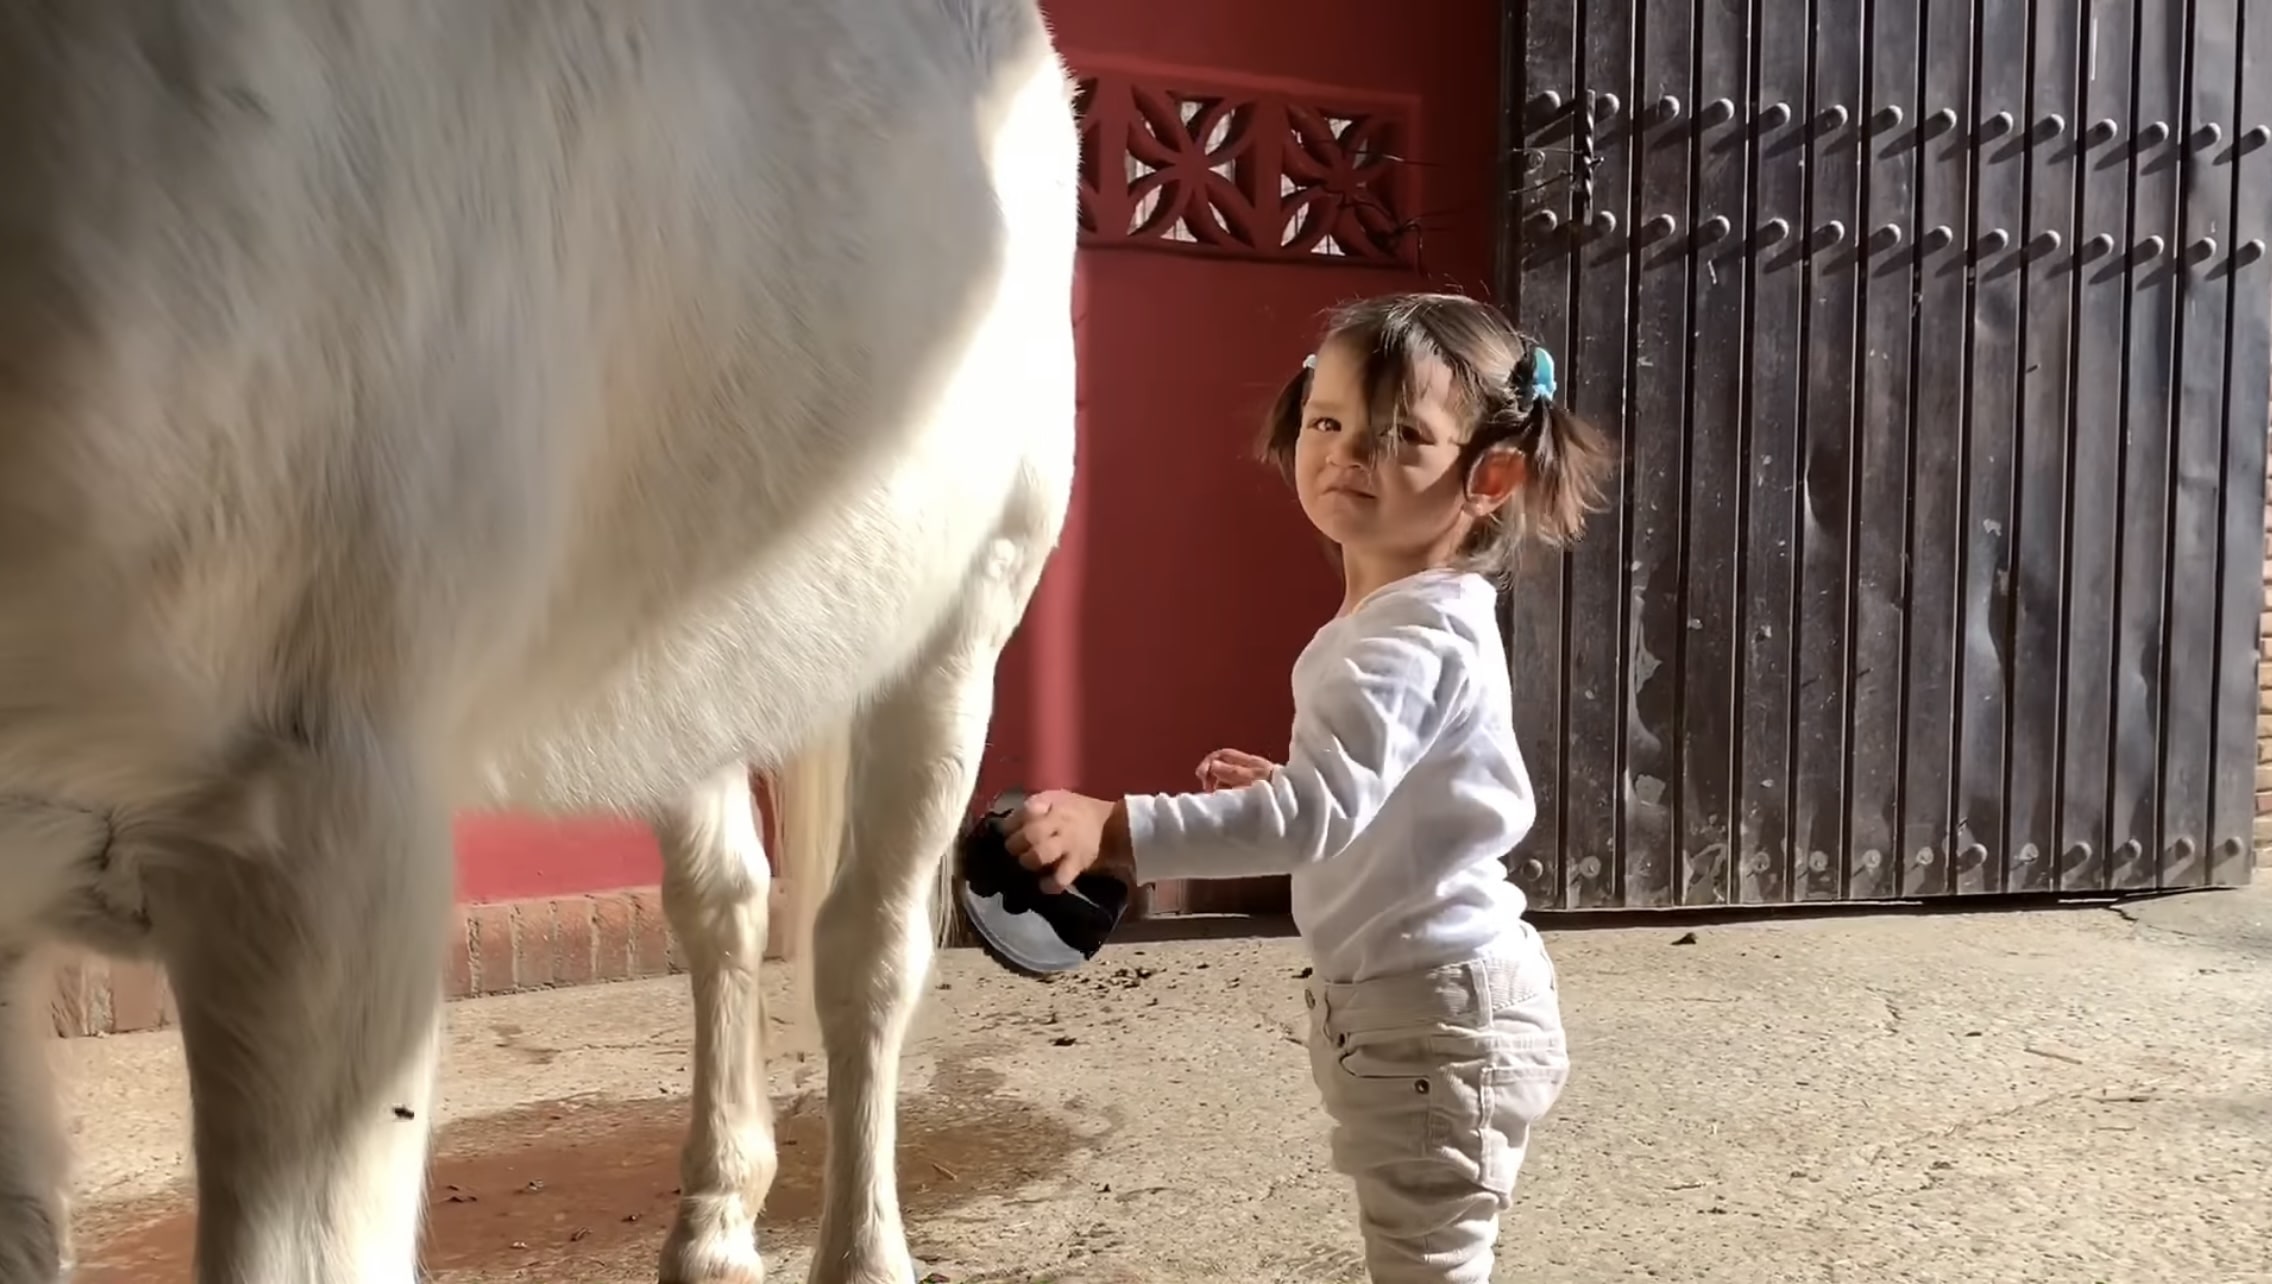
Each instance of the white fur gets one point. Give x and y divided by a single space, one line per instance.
410 404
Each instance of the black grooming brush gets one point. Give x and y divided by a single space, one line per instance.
1020 926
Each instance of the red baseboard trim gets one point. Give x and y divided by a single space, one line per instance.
505 947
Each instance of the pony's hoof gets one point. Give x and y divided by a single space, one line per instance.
905 1271
692 1262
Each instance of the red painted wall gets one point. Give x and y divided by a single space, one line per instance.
508 857
1186 581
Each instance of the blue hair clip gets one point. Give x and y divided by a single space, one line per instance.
1542 385
1309 362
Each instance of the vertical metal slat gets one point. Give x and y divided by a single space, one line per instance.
1537 262
2157 116
1943 248
1888 236
1664 122
2039 529
2247 154
1999 179
1721 282
2094 463
1826 465
1598 357
1771 463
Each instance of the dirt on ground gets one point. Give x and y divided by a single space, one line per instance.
2066 1096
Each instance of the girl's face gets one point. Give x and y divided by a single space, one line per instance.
1407 505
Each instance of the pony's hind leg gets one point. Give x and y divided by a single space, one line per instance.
301 909
715 881
917 753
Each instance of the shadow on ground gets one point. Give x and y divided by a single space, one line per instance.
564 1185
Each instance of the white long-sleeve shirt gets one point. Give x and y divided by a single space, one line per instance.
1401 795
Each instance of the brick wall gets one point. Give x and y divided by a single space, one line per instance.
2264 700
501 948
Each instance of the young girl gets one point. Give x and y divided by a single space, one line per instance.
1425 442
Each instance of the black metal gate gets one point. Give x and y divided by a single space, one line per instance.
1936 332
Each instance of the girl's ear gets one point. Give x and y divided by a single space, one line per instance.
1494 479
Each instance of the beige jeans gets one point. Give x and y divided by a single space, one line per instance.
1433 1081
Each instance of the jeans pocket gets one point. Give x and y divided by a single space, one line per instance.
1387 1096
1519 1086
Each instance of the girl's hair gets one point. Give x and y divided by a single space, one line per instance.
1502 381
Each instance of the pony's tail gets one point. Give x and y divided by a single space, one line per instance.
810 793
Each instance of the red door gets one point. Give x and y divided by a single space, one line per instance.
1247 166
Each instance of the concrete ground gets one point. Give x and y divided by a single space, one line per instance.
2056 1095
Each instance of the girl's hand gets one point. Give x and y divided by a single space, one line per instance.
1068 834
1233 769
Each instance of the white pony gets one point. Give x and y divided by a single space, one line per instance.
411 404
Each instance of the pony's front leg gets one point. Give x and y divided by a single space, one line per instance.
34 1234
715 881
49 850
302 911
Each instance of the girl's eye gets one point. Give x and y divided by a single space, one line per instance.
1410 436
1323 424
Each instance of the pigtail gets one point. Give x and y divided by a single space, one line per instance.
1569 460
1282 427
1570 465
